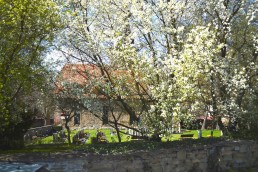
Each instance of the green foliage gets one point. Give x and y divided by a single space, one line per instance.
247 127
183 63
27 29
12 136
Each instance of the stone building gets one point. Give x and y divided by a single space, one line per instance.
103 111
84 75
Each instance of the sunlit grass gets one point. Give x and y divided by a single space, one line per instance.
46 144
93 133
124 137
205 134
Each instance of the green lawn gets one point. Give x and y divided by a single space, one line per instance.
205 134
93 133
124 137
47 145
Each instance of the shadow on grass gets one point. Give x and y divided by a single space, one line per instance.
116 148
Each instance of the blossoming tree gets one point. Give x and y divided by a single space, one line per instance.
181 56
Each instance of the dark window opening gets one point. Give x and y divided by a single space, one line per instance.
105 115
52 121
77 118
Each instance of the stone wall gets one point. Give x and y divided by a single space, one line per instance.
224 156
89 121
234 156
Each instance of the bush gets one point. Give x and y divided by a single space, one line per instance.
246 127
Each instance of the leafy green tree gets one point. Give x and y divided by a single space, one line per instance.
26 29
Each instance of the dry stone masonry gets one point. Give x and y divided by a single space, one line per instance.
224 156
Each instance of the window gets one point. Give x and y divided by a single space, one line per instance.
51 121
77 117
105 115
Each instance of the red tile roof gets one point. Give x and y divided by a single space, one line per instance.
79 73
84 73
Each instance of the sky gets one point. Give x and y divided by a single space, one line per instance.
56 59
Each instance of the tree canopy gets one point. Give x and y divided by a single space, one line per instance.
27 28
186 58
179 59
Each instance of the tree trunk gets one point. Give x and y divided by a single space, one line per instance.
47 119
68 130
204 126
221 126
118 133
214 101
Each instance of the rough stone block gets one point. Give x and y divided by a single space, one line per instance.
165 161
244 148
255 154
190 155
121 163
181 155
175 162
238 164
102 167
180 168
137 163
120 169
227 157
130 170
226 165
196 160
99 170
155 161
236 148
195 167
226 148
203 166
226 152
172 155
187 166
167 168
242 156
201 155
141 169
156 167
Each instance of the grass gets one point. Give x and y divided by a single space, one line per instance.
47 145
93 133
205 134
115 148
